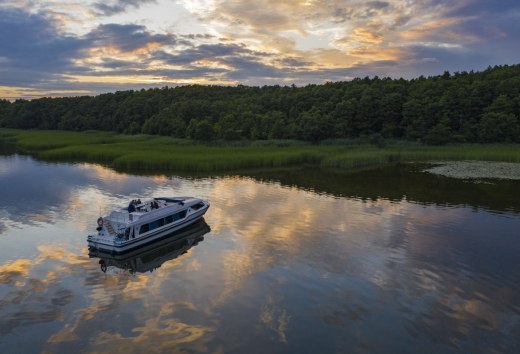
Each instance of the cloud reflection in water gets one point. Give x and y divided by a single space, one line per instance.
278 261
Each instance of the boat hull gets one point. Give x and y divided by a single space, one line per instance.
124 246
151 256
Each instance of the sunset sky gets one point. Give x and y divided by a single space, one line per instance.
73 47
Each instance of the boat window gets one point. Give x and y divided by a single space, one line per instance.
153 225
144 228
179 215
197 206
161 222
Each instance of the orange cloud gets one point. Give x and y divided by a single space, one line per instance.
367 36
439 29
10 272
13 92
375 53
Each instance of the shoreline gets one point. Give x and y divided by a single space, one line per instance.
161 153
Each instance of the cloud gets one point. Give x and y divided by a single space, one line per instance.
49 49
378 4
293 62
448 30
484 7
127 37
30 43
110 63
214 52
118 6
247 68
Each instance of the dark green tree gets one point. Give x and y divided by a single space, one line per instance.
499 127
200 130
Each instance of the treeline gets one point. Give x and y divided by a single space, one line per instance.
481 107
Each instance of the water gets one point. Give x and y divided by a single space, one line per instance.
304 261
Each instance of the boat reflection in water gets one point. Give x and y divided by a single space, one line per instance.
152 256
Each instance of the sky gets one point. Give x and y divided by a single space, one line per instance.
73 47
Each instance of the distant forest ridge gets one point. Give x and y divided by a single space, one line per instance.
477 107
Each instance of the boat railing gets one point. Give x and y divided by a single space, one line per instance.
119 220
110 228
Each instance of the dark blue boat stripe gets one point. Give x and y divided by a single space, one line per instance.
190 218
133 245
140 241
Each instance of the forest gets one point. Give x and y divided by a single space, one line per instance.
472 107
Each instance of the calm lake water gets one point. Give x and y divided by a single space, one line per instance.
296 261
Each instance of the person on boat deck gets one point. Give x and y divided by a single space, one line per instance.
131 206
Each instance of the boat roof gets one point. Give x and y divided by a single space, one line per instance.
172 204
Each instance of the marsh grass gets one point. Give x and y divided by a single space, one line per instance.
362 156
144 152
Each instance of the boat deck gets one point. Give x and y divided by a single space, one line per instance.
140 222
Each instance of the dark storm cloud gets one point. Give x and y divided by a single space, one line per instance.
246 68
127 37
118 6
185 57
32 48
118 64
205 51
187 73
293 62
34 53
244 63
222 49
377 4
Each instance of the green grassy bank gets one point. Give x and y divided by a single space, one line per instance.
145 152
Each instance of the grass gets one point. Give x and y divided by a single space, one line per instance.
144 152
368 156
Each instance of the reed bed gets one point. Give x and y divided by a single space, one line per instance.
144 152
38 140
364 156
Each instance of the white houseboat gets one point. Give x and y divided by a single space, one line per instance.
151 256
143 222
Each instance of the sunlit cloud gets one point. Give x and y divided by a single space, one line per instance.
440 31
14 271
51 46
275 318
13 92
271 227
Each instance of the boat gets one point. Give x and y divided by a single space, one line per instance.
152 255
140 223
